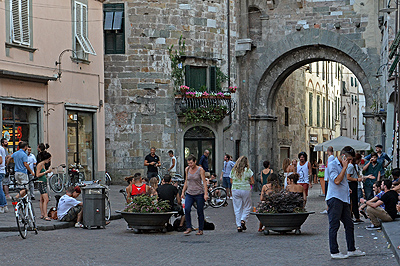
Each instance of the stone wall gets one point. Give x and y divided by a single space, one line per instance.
139 95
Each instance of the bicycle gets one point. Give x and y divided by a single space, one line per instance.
61 180
24 212
217 196
107 179
107 203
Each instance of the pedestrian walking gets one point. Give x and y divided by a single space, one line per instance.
338 200
6 179
21 167
304 170
203 162
226 174
242 179
172 165
32 165
3 200
152 161
353 179
195 188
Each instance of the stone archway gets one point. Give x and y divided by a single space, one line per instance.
277 60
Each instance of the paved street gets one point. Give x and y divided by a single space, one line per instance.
224 246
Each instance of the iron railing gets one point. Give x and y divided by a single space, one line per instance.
185 104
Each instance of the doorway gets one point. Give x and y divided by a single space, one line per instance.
196 141
80 142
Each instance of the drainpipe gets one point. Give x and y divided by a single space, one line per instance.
229 58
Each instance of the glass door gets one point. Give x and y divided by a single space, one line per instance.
80 142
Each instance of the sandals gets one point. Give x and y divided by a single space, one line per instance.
240 229
243 225
46 218
187 232
199 233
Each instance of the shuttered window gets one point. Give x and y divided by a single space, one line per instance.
20 21
310 108
114 32
82 43
318 110
196 77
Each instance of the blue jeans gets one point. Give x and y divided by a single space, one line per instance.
226 182
369 192
340 211
3 201
189 200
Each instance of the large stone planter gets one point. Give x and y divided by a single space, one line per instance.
147 221
282 222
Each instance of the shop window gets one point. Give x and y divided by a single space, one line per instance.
114 32
20 123
82 45
196 77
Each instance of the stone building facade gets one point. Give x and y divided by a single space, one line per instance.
139 91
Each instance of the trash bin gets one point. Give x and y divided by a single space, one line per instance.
93 206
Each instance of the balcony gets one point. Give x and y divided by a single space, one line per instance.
197 109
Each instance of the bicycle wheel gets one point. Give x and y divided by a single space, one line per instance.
31 217
107 179
107 209
218 197
56 183
21 221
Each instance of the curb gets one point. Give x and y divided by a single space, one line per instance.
50 227
392 245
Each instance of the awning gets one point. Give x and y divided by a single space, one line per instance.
340 142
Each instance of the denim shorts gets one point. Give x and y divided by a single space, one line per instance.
226 182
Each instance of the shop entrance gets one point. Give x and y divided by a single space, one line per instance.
197 140
80 141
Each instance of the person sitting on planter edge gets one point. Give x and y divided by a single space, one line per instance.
169 192
271 186
136 187
69 209
377 213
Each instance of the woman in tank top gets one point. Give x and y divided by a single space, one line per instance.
294 187
266 172
196 191
136 188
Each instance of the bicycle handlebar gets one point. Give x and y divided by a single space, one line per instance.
32 180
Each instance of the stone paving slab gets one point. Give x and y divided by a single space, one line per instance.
392 233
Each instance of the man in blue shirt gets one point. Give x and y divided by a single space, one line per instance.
21 167
203 162
372 173
381 158
338 200
226 174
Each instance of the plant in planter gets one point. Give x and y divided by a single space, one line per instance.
146 204
282 212
232 89
184 89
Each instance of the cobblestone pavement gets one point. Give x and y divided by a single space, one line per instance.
224 246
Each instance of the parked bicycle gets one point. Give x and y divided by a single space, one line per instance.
61 179
217 195
24 212
107 203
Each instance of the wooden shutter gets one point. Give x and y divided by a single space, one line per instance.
16 23
25 22
20 21
213 78
81 33
187 75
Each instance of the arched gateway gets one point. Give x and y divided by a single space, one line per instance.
276 61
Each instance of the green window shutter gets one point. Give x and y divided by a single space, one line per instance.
323 112
213 78
187 76
114 32
310 109
318 110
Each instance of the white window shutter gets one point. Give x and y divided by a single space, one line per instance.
25 22
81 28
15 21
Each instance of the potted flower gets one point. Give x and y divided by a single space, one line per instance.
184 89
145 212
220 95
227 95
205 95
198 94
213 95
232 89
282 212
190 94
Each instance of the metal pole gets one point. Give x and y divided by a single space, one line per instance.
397 90
229 54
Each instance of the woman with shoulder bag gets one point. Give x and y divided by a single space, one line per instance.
242 179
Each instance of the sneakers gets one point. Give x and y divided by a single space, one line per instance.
339 256
5 208
32 198
358 221
1 209
373 227
78 225
324 212
355 253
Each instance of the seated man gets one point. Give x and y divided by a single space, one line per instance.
376 213
69 209
169 192
396 176
377 188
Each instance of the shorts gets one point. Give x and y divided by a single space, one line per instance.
6 180
72 214
42 187
151 174
305 186
21 178
226 182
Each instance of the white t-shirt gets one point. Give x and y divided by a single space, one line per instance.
66 202
3 163
31 161
173 169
